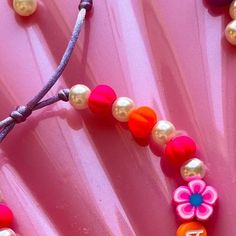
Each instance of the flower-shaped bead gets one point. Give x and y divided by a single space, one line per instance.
195 200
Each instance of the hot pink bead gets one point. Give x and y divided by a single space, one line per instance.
180 149
101 99
6 216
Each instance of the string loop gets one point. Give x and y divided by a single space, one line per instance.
23 112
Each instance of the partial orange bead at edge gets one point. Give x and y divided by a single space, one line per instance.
191 229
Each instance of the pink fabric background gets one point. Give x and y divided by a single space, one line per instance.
67 173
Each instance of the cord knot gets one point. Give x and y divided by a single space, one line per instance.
63 94
86 4
20 114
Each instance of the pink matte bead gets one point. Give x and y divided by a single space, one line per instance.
180 149
101 99
6 216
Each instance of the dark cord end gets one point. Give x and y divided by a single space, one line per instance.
63 95
86 4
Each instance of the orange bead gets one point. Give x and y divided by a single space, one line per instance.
191 229
141 122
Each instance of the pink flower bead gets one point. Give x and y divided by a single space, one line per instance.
195 200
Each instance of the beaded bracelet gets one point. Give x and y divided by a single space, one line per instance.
194 202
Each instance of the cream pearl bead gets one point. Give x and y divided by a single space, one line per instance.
193 169
230 32
121 108
163 131
25 7
78 96
232 10
7 232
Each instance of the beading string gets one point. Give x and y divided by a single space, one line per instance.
21 113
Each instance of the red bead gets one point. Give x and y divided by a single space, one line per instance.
101 99
141 122
6 216
180 149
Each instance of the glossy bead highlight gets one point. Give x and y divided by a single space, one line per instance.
101 99
141 122
230 32
25 7
121 108
193 169
7 232
195 227
163 131
78 96
180 149
6 216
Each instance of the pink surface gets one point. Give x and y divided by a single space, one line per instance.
68 173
